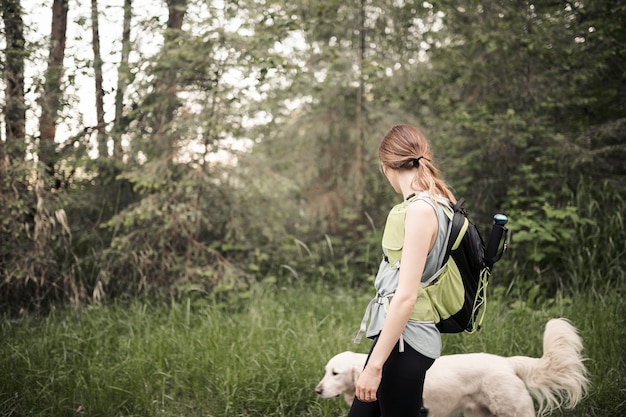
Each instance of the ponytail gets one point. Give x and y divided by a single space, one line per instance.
405 147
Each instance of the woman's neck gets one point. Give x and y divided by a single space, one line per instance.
406 183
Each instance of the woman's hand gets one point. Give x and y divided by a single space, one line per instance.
367 384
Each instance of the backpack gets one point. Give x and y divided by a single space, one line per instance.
469 262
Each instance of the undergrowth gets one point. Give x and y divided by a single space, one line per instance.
192 358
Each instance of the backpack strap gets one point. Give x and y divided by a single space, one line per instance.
458 219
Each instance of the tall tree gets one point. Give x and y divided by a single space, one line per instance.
50 96
14 195
361 115
162 102
123 78
97 66
13 148
594 108
523 93
489 80
348 56
196 213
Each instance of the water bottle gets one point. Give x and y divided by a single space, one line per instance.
498 230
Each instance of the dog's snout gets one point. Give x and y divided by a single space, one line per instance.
319 390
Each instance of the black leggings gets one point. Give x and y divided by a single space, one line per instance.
401 386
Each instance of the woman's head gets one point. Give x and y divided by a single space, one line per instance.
405 148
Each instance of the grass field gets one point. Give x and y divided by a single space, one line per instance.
191 358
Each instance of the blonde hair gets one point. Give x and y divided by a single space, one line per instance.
405 147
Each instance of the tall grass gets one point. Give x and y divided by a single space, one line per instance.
191 358
597 255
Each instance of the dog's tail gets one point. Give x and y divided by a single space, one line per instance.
559 377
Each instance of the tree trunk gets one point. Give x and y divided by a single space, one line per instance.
360 114
50 98
177 9
15 108
97 66
166 85
123 76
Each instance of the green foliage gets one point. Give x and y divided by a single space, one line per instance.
519 100
576 247
506 110
331 262
265 357
36 258
162 242
541 231
597 259
209 229
52 247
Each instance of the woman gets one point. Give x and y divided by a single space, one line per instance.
406 340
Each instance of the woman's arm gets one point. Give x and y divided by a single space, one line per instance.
419 237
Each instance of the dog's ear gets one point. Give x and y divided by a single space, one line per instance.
356 372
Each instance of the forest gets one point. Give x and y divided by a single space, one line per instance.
195 149
209 171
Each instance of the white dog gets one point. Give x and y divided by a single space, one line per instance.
486 385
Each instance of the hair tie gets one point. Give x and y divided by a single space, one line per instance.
416 161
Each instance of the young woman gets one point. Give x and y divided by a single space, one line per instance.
406 340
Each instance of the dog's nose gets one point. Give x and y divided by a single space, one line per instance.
319 390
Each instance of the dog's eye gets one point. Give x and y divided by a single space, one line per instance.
335 373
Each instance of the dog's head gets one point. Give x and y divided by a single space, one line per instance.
342 372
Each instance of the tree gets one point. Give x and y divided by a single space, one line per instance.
340 73
164 100
520 101
97 66
361 115
519 98
14 195
595 100
50 95
123 79
12 150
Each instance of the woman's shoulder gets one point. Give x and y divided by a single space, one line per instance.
431 209
420 214
421 206
436 202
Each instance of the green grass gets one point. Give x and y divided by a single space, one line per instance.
191 358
